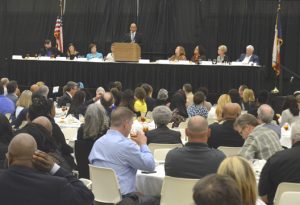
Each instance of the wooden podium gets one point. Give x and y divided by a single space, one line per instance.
129 52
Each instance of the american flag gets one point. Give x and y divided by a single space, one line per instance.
277 42
58 34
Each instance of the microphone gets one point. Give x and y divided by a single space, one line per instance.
291 79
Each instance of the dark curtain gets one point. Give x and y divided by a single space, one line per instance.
24 24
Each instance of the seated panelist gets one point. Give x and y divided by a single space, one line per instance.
222 57
249 57
48 50
179 54
93 52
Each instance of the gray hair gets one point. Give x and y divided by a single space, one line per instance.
162 94
245 119
265 113
197 124
100 90
43 90
296 131
162 115
95 121
251 47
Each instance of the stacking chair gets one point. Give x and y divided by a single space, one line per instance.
86 182
229 151
105 187
154 146
285 187
177 191
160 154
289 198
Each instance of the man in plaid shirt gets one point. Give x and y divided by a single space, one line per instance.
260 142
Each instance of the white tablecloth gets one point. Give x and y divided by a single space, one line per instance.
150 184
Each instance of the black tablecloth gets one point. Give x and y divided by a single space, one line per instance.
216 78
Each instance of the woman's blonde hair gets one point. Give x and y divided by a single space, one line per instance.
25 99
241 171
248 95
223 48
222 101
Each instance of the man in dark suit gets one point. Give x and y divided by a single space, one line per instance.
70 89
33 178
133 36
195 159
223 134
48 50
162 134
249 57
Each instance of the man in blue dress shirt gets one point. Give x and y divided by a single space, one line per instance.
6 105
125 156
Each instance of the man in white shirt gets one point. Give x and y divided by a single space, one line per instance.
249 57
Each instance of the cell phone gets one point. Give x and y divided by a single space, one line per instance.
146 172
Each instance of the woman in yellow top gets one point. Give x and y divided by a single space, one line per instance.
140 100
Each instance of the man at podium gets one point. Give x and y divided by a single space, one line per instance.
133 36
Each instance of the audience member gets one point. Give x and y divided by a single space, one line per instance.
222 57
198 107
71 88
215 112
117 95
140 100
199 54
188 90
206 104
223 134
94 54
217 190
262 98
34 88
179 54
249 57
107 103
116 84
127 100
241 90
6 135
284 166
236 98
260 142
162 134
195 159
115 150
31 171
179 112
242 173
290 111
265 115
7 106
43 90
79 104
23 102
4 82
99 93
248 99
95 123
42 107
12 88
162 97
151 102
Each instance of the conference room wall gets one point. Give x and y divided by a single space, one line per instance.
164 24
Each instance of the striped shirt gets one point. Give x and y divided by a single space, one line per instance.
261 143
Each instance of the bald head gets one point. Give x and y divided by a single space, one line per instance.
231 111
197 128
45 122
34 88
21 149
